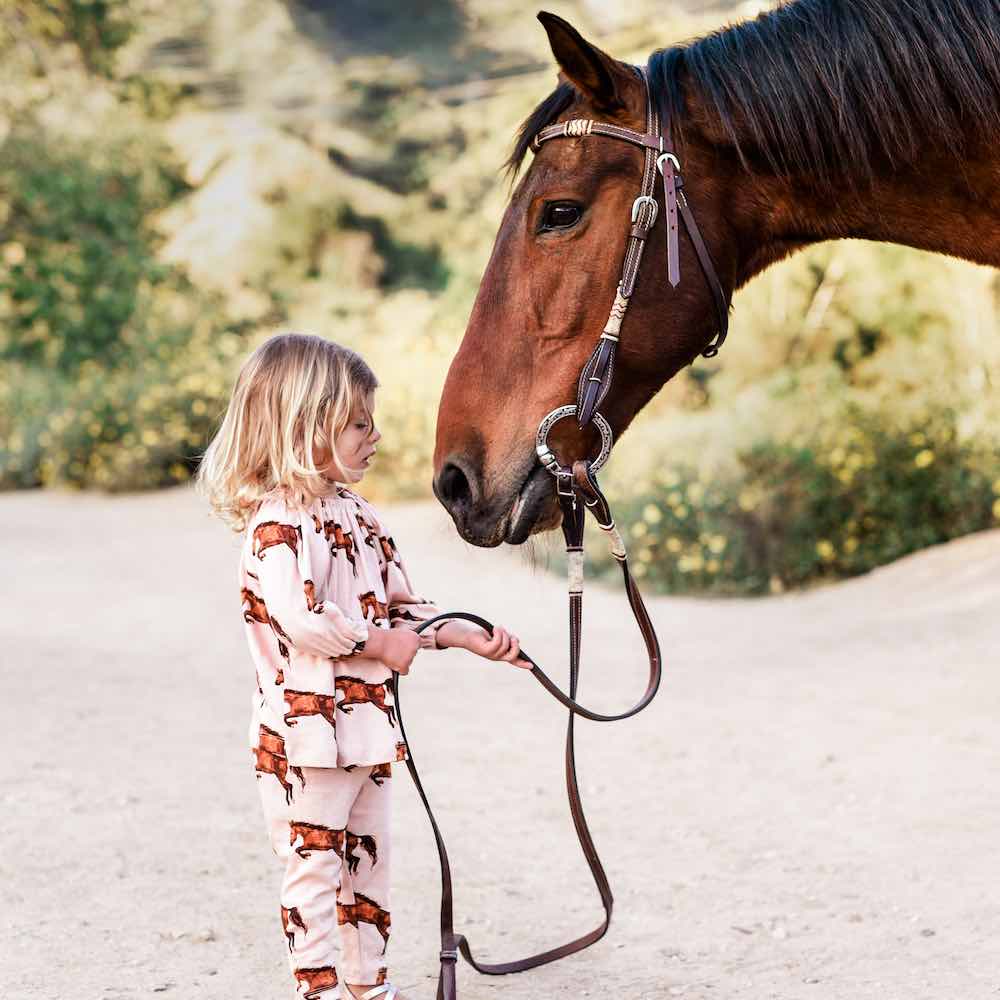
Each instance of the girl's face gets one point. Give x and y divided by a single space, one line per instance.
356 445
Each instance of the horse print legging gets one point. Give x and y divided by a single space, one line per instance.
330 825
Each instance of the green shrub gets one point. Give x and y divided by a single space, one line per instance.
76 251
98 28
835 501
116 368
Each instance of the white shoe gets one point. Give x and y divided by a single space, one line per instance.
386 990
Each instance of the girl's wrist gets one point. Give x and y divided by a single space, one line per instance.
453 634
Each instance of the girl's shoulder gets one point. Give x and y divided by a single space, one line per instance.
279 505
357 501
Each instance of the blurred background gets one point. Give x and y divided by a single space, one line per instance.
180 180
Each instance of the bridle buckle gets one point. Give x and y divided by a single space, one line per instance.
667 156
645 199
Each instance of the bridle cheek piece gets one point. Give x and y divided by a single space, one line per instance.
656 141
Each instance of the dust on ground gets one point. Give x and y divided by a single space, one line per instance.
809 809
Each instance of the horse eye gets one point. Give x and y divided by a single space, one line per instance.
560 215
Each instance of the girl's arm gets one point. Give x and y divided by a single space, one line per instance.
285 576
406 608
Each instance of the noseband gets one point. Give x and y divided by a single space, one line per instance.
577 490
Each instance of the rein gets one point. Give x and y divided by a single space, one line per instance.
578 492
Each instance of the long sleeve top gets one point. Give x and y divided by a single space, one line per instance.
313 583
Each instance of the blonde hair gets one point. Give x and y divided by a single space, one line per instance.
295 392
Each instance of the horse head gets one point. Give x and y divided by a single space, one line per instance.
547 290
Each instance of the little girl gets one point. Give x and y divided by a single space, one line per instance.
329 613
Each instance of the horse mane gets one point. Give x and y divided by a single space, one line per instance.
828 88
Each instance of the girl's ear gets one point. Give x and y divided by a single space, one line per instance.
593 72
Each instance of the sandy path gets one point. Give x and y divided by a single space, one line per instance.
809 809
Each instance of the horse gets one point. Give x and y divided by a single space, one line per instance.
818 120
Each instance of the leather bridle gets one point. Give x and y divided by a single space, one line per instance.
656 141
578 491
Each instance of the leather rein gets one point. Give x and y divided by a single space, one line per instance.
578 491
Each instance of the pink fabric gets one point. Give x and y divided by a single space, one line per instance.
312 583
332 834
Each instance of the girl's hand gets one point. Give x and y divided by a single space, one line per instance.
395 647
502 646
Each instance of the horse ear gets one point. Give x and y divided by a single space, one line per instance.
592 71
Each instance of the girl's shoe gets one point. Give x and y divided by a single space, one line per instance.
386 991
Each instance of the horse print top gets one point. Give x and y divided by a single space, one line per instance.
312 583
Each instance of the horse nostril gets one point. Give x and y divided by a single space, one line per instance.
453 487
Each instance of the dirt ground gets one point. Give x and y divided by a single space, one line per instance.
809 809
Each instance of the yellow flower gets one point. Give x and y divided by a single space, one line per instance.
681 510
996 486
923 458
695 492
996 509
198 407
638 529
674 544
651 513
850 544
712 565
13 254
747 500
150 436
825 550
918 438
717 544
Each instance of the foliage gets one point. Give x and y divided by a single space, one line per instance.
76 251
839 498
115 365
97 28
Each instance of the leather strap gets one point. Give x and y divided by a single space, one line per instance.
583 494
708 269
598 373
596 377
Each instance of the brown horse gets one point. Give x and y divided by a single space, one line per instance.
818 120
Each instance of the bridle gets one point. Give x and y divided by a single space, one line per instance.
595 379
578 491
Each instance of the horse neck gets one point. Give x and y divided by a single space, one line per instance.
942 203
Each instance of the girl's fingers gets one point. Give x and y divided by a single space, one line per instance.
514 656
